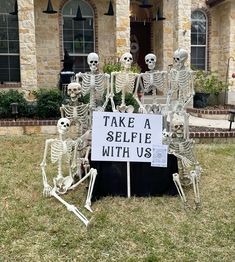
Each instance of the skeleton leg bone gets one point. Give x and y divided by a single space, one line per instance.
195 179
71 208
90 189
176 180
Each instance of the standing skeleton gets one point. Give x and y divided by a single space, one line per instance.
76 111
153 81
94 84
181 89
62 149
124 83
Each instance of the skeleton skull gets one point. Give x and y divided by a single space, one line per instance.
150 60
93 61
180 57
177 127
74 91
126 60
63 125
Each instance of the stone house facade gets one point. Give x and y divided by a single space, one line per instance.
33 42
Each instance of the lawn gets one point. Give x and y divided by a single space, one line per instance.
35 228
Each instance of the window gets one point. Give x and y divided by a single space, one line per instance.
78 36
9 43
199 40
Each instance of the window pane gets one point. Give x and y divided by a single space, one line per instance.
193 39
3 47
12 21
14 47
14 75
13 34
88 24
78 35
88 36
68 35
78 24
68 46
201 39
68 23
3 34
14 61
3 20
78 47
3 62
4 75
89 47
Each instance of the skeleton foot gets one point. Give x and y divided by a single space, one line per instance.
71 208
176 180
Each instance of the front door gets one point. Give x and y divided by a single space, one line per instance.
140 42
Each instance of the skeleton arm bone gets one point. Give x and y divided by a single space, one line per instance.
107 77
47 187
111 95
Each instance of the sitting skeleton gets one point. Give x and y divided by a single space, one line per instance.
95 84
125 83
181 88
153 82
61 149
76 111
182 147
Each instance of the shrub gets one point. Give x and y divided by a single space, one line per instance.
205 82
48 103
12 96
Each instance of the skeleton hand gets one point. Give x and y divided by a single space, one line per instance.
142 110
47 190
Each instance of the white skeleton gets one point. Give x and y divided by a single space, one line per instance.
181 89
76 112
94 83
153 81
61 149
124 83
183 148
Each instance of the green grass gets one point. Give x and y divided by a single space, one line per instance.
35 228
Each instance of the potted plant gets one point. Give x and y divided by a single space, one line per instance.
207 88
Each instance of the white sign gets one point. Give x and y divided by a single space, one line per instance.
125 137
159 155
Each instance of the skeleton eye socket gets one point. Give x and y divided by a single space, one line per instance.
91 62
95 62
147 60
152 59
62 123
130 58
67 124
125 58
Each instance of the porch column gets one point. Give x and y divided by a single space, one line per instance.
122 27
182 26
28 61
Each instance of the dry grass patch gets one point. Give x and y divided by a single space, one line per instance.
34 228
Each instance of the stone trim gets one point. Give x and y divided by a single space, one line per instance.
28 122
10 85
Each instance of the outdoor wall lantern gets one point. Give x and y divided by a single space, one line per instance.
15 12
158 16
14 110
50 9
110 10
78 16
145 4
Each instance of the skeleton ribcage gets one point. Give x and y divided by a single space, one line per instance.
184 151
93 82
77 113
60 148
152 81
125 82
180 82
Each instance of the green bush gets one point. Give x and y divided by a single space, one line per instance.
48 103
12 96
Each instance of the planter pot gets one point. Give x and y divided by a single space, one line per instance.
200 100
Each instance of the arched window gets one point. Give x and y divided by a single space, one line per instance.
9 43
199 30
78 36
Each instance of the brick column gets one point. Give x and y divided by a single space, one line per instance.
122 27
28 62
182 25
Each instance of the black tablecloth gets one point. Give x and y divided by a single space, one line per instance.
145 180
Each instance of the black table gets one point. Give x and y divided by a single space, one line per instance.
145 180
